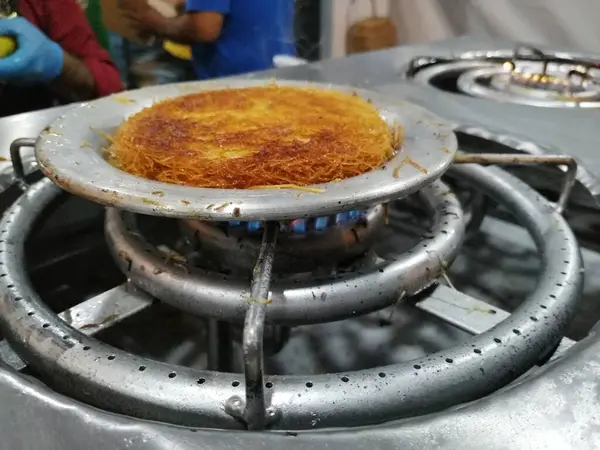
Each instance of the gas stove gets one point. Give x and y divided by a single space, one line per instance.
412 322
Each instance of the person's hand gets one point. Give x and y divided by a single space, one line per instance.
179 6
37 59
142 16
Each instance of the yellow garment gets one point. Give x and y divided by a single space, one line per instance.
180 51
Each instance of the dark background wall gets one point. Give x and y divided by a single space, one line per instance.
308 29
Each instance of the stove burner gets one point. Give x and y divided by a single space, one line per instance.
315 245
528 85
542 82
296 298
527 76
109 378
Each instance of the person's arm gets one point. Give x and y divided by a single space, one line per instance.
75 82
65 56
202 21
191 28
87 71
39 60
180 6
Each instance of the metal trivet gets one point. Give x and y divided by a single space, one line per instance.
525 75
118 381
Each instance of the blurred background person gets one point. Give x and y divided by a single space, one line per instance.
228 37
57 58
142 59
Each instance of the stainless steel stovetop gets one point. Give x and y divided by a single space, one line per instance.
434 399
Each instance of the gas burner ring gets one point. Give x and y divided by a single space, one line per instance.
302 246
294 301
113 379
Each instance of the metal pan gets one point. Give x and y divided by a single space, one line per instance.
69 151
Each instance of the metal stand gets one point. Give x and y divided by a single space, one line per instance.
507 159
219 346
88 369
253 411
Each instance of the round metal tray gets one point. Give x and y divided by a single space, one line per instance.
69 152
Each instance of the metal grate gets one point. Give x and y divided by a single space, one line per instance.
118 381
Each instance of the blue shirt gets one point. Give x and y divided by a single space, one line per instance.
253 32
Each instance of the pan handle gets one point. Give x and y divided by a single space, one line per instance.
17 161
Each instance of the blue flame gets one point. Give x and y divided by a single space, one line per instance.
298 226
321 223
302 225
342 218
354 215
255 225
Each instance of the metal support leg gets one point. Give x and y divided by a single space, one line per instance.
469 314
219 346
254 411
510 159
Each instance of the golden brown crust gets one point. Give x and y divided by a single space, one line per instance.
262 136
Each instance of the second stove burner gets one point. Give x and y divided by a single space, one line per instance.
529 84
525 76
